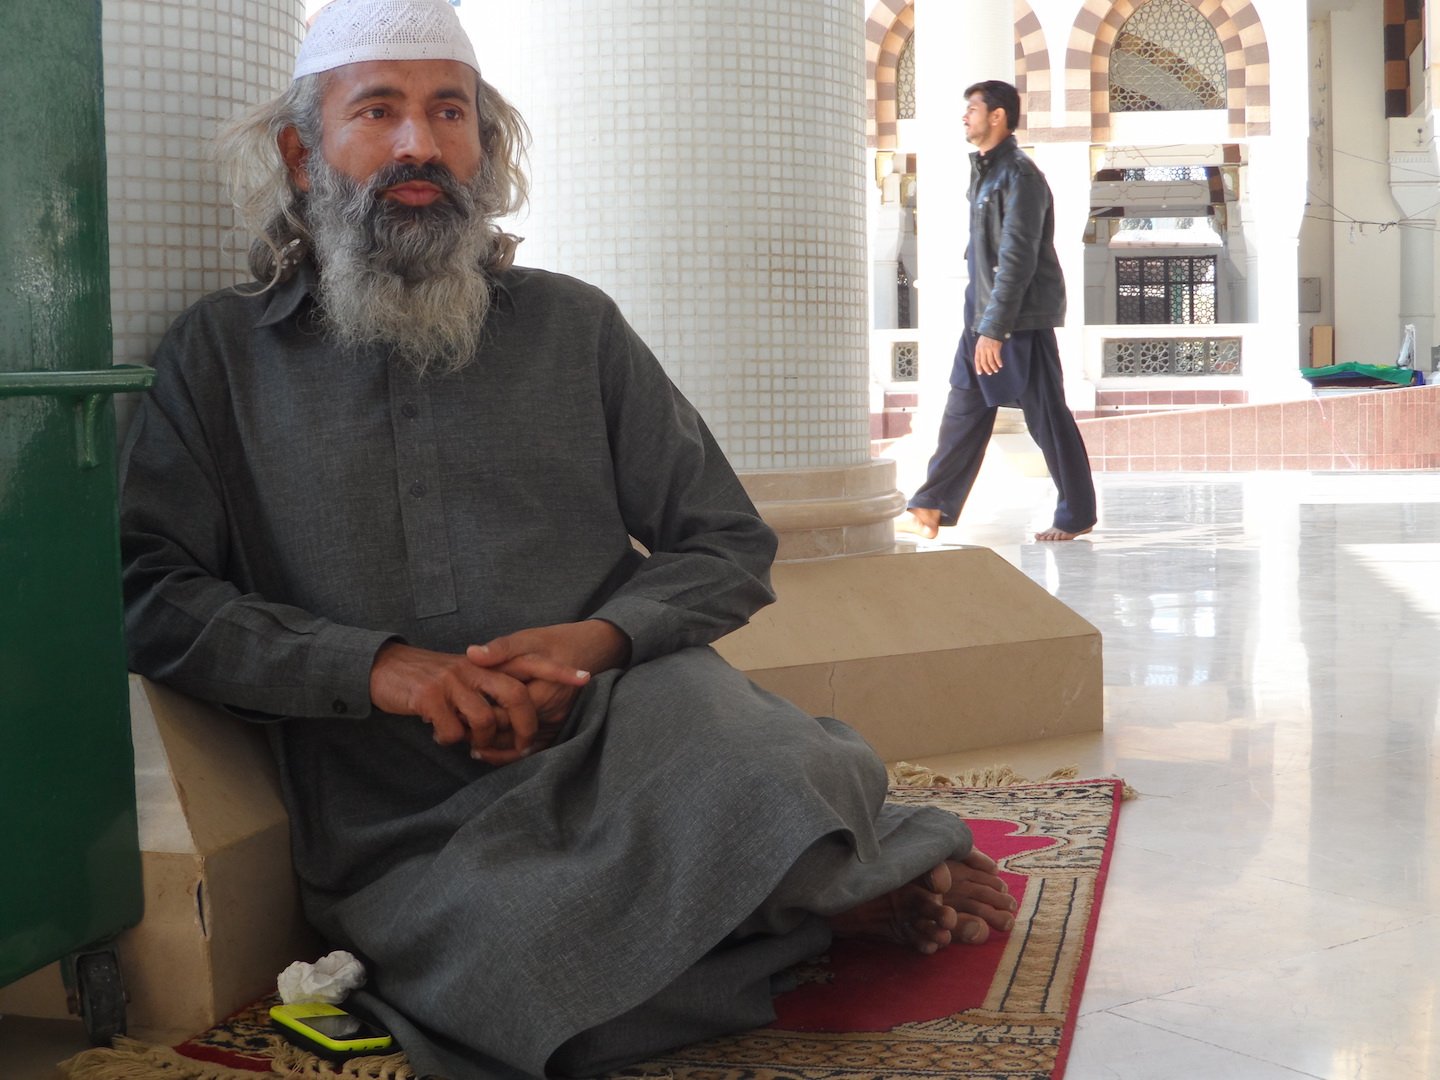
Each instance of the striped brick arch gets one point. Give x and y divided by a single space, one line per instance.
891 24
1032 74
1087 65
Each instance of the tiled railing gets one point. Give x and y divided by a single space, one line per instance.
1386 429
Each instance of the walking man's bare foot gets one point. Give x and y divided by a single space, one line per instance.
980 898
921 521
1054 533
915 914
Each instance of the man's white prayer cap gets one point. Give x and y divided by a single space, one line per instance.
353 31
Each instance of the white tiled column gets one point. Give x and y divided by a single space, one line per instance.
703 163
173 70
956 45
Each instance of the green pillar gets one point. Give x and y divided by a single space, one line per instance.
69 856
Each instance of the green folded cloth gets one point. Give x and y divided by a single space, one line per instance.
1380 372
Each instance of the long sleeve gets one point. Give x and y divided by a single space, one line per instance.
1024 205
709 551
187 621
289 507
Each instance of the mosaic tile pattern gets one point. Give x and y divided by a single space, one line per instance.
704 164
173 70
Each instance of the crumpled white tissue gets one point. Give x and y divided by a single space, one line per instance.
329 979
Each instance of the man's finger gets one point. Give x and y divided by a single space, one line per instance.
524 666
511 705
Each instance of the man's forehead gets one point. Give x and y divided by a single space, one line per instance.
430 79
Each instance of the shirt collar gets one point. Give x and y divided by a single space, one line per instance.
999 150
285 300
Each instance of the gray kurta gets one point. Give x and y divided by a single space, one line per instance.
288 509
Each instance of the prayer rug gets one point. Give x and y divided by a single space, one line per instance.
1004 1010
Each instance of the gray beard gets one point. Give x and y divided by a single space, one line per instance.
406 280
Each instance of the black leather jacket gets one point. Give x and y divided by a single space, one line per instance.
1014 270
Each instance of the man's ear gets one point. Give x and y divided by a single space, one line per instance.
294 153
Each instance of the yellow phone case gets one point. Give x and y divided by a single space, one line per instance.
294 1018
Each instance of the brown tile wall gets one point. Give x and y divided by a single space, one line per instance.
1387 429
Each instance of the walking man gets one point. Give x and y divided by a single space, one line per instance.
1008 353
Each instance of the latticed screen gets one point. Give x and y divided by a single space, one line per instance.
905 361
1167 57
1172 289
905 81
1164 173
1172 356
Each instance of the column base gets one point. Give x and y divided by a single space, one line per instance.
827 512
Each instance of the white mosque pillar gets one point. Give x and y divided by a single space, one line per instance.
888 231
956 45
1417 285
1271 359
174 69
704 164
1415 187
1066 166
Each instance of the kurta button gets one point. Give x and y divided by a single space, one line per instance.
418 488
409 411
339 706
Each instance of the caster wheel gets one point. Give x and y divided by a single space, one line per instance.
102 997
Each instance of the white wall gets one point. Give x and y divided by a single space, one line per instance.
1317 234
1367 259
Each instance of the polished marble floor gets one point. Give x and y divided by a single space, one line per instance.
1272 671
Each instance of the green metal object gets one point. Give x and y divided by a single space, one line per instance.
91 392
69 854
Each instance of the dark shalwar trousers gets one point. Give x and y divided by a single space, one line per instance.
969 420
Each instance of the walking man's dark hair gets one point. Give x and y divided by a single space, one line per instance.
999 95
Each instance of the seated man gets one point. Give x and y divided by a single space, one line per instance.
383 502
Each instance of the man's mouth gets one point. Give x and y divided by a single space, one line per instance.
414 193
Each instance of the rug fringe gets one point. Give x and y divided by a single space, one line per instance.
130 1059
296 1064
908 774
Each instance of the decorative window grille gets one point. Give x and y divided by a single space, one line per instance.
905 361
1173 289
1167 57
1167 173
1172 356
905 80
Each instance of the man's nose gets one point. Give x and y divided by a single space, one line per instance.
415 142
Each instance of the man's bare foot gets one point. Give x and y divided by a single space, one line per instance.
921 521
1054 533
980 898
914 914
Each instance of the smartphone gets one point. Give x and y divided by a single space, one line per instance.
330 1032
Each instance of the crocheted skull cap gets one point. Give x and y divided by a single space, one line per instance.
353 31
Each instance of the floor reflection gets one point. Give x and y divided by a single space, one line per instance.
1271 656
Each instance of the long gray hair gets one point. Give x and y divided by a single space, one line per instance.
271 208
